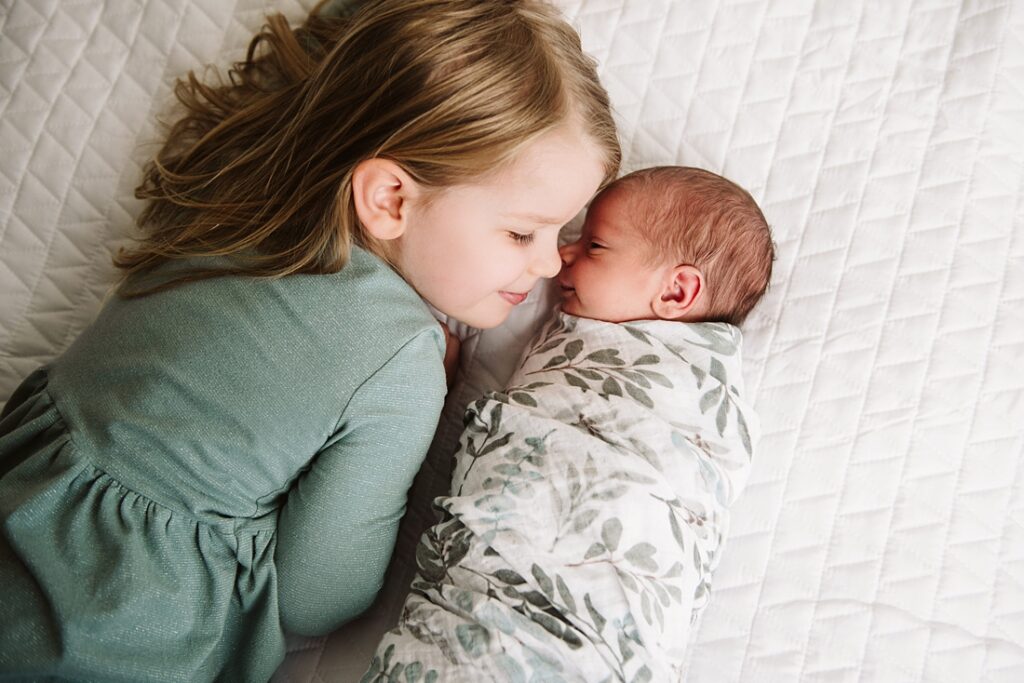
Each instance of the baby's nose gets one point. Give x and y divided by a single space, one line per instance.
568 252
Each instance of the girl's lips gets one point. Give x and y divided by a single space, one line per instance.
514 298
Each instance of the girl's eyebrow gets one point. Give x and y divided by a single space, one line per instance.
534 218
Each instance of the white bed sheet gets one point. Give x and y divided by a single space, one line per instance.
881 537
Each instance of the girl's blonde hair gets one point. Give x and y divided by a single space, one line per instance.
260 167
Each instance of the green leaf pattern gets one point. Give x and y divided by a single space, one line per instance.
588 505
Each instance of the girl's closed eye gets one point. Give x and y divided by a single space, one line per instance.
521 237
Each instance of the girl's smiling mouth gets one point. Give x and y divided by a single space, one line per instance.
514 298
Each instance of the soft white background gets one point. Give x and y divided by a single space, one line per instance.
882 535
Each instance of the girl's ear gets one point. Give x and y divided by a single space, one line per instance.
382 191
682 295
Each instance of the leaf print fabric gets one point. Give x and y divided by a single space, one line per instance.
587 511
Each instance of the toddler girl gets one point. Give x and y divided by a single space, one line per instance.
224 454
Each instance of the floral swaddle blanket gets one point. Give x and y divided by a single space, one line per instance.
587 510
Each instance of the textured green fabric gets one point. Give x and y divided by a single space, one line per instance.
207 466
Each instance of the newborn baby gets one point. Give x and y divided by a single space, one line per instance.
590 499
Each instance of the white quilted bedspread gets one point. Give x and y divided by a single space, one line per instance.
881 537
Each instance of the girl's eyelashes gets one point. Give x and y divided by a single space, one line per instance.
595 245
521 238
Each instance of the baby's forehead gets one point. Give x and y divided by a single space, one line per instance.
627 208
641 197
635 215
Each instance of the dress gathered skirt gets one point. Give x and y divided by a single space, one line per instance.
197 592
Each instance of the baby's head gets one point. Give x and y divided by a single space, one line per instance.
669 243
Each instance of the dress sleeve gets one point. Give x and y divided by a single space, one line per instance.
337 530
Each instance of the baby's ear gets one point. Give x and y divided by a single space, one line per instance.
682 295
381 191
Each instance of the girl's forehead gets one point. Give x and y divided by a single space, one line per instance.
551 178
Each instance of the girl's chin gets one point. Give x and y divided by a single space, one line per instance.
486 319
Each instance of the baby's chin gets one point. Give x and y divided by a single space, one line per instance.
570 306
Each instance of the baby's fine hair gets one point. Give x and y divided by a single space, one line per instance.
695 217
259 166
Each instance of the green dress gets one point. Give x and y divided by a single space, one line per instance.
208 466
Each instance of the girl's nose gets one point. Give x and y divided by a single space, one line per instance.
547 263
